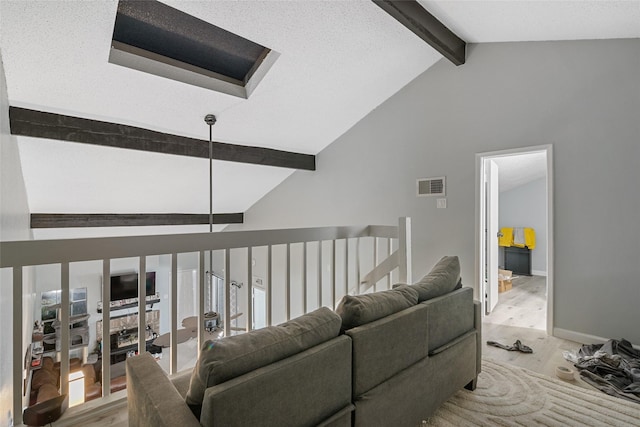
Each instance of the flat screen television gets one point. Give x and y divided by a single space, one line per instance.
125 286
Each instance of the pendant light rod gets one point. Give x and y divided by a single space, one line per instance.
210 120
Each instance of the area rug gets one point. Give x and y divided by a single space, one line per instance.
510 396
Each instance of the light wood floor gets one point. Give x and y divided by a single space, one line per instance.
519 315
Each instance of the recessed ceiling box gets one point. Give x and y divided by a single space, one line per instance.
431 186
152 37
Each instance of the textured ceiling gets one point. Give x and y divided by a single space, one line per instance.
338 61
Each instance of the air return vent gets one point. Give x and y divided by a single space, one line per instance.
431 186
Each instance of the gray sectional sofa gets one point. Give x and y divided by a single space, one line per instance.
387 358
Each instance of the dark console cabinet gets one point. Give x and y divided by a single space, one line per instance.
518 260
127 340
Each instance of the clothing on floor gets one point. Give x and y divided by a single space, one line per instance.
612 367
517 346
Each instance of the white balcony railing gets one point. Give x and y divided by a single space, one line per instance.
375 243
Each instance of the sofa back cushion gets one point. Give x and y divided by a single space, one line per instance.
442 279
450 316
361 309
388 346
230 357
302 390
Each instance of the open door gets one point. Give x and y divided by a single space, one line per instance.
491 237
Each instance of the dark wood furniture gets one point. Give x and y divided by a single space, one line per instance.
518 260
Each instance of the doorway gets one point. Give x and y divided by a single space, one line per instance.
519 174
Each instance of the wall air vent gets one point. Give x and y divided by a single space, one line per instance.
152 37
431 186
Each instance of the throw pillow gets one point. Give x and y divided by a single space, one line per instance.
361 309
442 279
230 357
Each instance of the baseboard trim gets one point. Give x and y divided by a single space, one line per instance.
539 273
583 338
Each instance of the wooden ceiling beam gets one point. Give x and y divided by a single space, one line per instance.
39 124
47 220
426 26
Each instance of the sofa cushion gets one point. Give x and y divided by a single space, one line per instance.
230 357
361 309
442 279
42 377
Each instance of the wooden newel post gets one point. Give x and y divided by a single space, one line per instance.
404 250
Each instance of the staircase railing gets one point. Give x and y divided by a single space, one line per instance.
20 255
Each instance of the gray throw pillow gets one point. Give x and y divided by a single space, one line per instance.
443 278
230 357
362 309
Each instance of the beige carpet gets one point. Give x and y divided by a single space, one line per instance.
510 396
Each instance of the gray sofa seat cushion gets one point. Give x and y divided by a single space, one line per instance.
442 279
361 309
230 357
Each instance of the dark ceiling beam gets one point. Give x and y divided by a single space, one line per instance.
426 26
39 124
47 220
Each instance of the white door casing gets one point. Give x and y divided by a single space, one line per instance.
491 237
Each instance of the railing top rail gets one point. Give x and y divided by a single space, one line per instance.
40 252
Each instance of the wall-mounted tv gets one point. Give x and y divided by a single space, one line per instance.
125 286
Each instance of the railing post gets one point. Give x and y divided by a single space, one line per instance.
375 261
106 327
319 273
227 292
404 250
389 251
287 284
269 283
358 272
250 308
333 274
17 344
304 277
142 304
346 266
201 285
64 328
173 321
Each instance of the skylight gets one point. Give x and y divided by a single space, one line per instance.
155 38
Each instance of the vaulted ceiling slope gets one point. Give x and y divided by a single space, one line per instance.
337 62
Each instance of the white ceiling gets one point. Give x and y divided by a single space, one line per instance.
338 61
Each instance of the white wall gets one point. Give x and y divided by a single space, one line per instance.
526 206
581 96
14 225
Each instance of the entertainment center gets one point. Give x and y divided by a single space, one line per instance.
123 329
124 336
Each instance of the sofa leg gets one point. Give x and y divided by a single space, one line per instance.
472 384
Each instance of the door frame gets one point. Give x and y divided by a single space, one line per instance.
481 217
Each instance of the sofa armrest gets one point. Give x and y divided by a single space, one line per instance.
152 400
